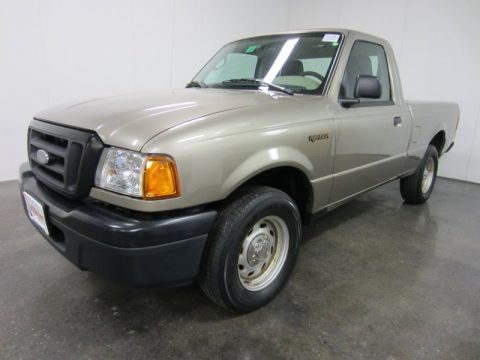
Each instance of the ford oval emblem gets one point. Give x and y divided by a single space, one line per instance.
42 157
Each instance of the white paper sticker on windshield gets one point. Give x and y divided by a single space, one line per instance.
331 37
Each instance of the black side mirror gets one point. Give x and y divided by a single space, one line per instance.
367 86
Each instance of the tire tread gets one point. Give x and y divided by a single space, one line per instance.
410 187
236 207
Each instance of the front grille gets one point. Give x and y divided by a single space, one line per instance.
72 157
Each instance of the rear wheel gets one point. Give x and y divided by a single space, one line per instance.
252 249
417 188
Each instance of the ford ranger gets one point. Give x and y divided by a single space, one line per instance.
212 183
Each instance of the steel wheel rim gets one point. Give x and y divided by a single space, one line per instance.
263 253
428 174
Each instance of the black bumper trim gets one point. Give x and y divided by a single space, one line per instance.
141 248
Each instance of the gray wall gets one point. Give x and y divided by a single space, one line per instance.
53 51
437 44
56 51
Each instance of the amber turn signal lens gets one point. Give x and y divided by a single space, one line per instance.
160 178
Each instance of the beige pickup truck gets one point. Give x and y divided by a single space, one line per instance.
213 182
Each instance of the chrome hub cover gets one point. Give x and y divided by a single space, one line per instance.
263 253
259 250
428 175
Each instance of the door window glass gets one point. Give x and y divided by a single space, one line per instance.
366 59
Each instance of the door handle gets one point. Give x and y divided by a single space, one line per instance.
397 121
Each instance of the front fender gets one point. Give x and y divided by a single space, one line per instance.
266 159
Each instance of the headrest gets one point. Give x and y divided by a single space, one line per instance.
292 67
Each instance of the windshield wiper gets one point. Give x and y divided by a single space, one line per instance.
196 84
259 83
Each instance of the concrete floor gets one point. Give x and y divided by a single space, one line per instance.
375 279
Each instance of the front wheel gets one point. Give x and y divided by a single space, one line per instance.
252 249
417 188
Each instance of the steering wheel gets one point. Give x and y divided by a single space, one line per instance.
314 74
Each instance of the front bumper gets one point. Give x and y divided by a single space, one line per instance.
141 248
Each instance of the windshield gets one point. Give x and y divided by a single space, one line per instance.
297 63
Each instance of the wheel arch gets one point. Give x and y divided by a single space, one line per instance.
439 141
287 178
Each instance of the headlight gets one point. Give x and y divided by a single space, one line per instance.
135 174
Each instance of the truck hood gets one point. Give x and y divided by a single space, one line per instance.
129 121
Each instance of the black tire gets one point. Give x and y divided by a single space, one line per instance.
220 276
413 188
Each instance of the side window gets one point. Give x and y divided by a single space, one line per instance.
366 59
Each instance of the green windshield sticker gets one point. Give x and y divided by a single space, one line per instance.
335 44
250 49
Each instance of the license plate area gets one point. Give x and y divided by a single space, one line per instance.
36 212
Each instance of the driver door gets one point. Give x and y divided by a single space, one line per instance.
370 138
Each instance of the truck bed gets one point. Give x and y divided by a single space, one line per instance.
430 118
